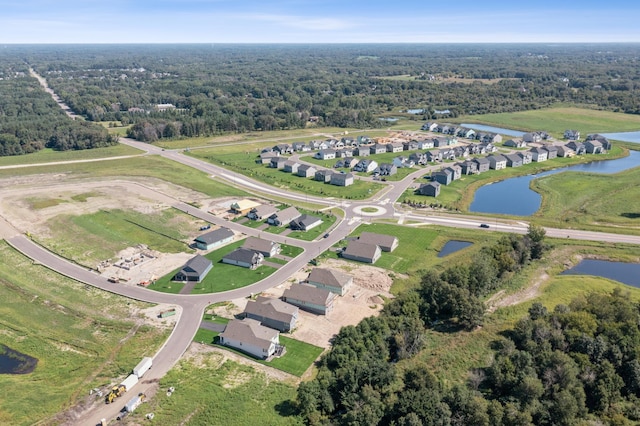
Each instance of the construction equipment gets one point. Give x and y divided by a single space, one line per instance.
116 391
167 313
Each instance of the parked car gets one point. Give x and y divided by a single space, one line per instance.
484 225
325 236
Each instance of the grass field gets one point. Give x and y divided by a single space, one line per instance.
558 119
91 238
48 155
64 324
212 391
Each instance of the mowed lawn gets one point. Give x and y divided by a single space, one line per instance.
81 336
49 155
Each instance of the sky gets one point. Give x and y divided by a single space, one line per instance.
318 21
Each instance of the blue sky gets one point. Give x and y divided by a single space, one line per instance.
317 21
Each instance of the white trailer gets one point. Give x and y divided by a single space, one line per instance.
134 403
130 381
142 367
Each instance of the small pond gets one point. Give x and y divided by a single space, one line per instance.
390 119
502 131
415 111
453 246
626 273
624 136
514 197
14 362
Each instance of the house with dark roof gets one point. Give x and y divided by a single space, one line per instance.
552 151
419 158
283 217
527 157
342 179
513 160
483 164
385 242
565 151
431 189
214 238
606 144
434 155
266 157
515 143
456 171
272 313
395 147
283 148
468 167
497 162
365 165
362 252
410 145
244 258
325 154
265 247
323 175
539 154
577 147
378 148
247 335
429 126
443 177
278 162
362 151
329 279
386 169
310 298
593 147
196 269
305 222
425 144
306 171
261 212
573 135
291 166
533 137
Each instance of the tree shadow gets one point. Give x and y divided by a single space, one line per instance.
631 215
287 408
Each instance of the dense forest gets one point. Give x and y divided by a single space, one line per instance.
579 362
170 91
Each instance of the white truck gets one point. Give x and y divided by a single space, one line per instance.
142 367
130 381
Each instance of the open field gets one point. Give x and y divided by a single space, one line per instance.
80 345
48 155
558 119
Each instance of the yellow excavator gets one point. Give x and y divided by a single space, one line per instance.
116 391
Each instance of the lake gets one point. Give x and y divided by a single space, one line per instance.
626 273
14 362
624 136
453 246
492 129
514 197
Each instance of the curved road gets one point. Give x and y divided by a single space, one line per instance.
192 306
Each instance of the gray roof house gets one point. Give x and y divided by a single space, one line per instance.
425 144
456 171
265 247
310 298
272 313
577 147
378 149
261 212
196 269
593 147
214 238
515 143
362 252
306 170
265 157
429 126
418 158
565 151
247 335
323 175
606 144
329 279
244 257
325 154
513 160
532 137
431 189
527 157
283 217
573 135
483 164
395 147
365 165
539 154
386 169
291 166
468 167
497 162
305 222
342 179
385 242
278 162
552 151
362 151
443 177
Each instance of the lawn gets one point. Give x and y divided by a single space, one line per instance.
328 220
558 119
48 155
79 344
90 238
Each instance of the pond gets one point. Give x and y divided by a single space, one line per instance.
453 246
14 362
514 197
390 119
626 273
624 136
502 131
415 111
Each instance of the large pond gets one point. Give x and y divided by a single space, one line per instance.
453 246
626 273
492 129
514 197
624 136
14 362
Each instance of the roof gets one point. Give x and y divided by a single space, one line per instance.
215 236
241 255
309 294
197 264
329 277
250 331
288 214
481 160
360 249
379 239
306 220
258 244
270 308
264 210
244 204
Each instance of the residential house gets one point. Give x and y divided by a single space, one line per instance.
606 144
429 126
468 167
305 222
214 238
513 160
527 157
363 140
378 148
283 217
483 164
410 145
196 269
476 148
395 147
539 154
456 171
342 179
345 152
425 144
306 171
244 257
247 335
565 151
443 177
441 141
515 143
243 206
365 165
265 247
573 135
403 162
489 146
300 147
443 128
434 155
323 175
386 242
593 147
552 151
310 298
329 279
431 189
265 157
461 151
532 137
493 138
577 147
291 166
419 158
325 154
386 169
261 212
362 252
283 148
497 162
350 162
272 313
362 151
278 162
467 133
